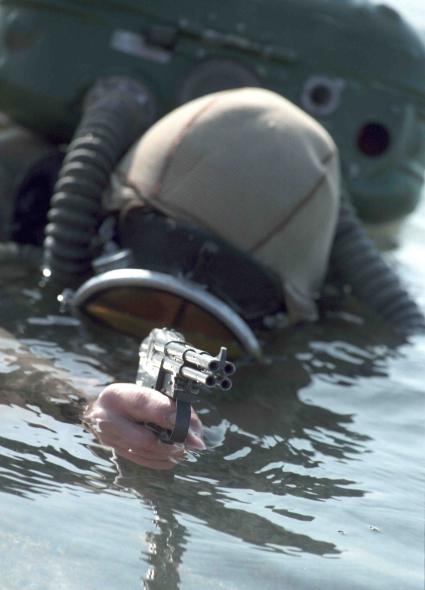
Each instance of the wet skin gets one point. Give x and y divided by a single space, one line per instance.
115 418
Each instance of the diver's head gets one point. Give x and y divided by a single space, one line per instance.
251 169
232 202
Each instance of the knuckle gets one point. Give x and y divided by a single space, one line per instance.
95 414
151 444
107 395
140 401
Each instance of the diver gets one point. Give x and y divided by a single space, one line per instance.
259 180
231 202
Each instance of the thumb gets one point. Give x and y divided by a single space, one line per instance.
138 404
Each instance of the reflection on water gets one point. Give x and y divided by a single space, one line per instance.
312 479
295 467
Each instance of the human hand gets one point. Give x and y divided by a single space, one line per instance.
115 418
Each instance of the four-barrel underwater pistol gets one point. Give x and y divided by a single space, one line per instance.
175 368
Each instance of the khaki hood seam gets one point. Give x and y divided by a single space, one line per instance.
302 203
177 141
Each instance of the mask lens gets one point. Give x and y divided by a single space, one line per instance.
135 301
137 310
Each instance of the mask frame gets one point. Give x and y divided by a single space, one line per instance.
152 284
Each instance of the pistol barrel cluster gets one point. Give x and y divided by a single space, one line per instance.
173 367
199 366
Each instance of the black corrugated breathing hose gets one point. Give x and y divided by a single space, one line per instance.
360 265
113 119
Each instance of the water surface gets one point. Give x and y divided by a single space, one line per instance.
313 473
313 477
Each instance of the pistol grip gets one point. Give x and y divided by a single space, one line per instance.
181 427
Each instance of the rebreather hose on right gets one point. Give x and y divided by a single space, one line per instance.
360 265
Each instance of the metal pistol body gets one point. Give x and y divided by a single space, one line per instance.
175 368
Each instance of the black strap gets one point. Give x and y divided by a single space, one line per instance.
179 248
181 427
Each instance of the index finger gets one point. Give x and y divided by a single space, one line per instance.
139 404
